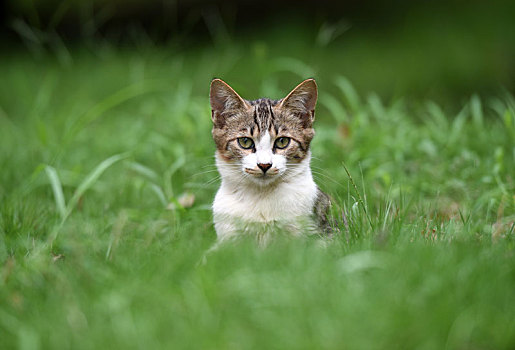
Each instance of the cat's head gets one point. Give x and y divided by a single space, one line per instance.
262 141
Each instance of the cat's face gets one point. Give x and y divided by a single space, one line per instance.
262 141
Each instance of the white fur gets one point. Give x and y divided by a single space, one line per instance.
287 196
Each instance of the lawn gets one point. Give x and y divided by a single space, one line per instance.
101 246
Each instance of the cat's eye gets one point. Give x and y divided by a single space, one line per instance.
282 142
245 142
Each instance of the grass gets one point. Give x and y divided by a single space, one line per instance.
99 245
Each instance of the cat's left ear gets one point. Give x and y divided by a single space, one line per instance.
222 98
302 100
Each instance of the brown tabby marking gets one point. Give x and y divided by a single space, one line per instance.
242 118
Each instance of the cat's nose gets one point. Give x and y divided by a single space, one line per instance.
264 167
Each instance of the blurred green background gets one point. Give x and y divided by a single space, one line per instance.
444 50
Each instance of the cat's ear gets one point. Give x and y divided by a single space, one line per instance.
302 100
222 97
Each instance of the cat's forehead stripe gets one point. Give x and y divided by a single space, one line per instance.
264 117
256 118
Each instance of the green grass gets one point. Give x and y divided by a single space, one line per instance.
96 249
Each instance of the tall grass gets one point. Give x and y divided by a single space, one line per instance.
103 250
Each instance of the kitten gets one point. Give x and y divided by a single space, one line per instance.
263 158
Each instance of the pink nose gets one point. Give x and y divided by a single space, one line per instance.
264 167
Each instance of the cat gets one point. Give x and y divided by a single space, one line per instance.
263 156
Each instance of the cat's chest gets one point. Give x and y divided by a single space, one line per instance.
284 202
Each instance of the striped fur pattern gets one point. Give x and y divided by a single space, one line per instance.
263 156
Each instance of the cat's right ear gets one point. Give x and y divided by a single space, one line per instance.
222 97
302 101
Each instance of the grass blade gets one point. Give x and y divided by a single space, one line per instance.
87 183
289 64
144 171
335 108
90 180
57 188
360 200
349 93
168 185
110 102
159 193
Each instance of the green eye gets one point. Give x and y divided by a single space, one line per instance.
245 142
282 142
